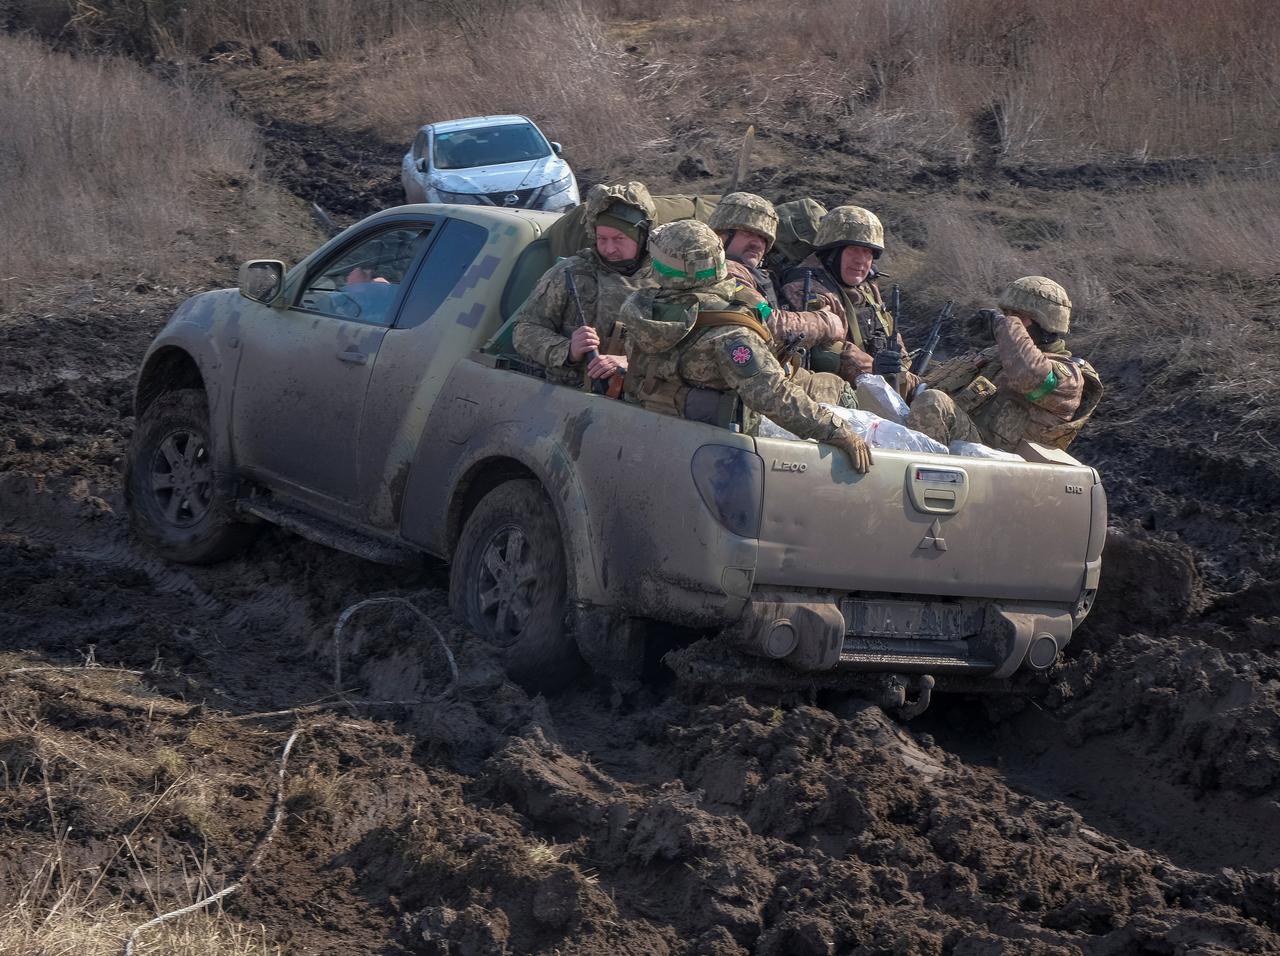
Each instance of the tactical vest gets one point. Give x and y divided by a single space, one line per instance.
1004 417
866 317
661 385
764 283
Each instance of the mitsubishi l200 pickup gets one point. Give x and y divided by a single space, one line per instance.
363 398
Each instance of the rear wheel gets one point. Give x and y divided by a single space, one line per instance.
172 495
508 582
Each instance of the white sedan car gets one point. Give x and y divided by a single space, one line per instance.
488 161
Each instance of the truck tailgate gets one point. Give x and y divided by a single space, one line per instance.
924 524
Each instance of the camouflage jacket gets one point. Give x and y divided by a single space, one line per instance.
670 356
860 310
548 317
1015 389
819 327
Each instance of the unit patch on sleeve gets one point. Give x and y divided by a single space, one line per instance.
743 356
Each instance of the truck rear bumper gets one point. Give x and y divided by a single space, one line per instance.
816 631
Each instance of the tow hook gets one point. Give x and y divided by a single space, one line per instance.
924 694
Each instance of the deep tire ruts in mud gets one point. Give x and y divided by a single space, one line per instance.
508 582
173 498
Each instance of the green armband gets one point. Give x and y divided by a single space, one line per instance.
1044 388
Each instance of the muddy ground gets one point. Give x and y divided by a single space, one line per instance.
1129 809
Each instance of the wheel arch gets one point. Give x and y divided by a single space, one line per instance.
168 369
476 482
483 476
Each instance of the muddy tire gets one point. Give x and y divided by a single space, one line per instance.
508 582
170 487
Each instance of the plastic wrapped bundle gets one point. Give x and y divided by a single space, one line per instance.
973 449
875 431
879 397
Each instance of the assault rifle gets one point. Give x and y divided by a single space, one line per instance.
922 360
791 348
612 386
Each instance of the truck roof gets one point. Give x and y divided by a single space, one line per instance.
481 215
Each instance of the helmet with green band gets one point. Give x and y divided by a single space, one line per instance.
686 255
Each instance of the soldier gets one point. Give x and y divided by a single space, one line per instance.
848 242
1026 385
747 225
547 329
699 350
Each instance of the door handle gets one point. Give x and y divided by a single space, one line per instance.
354 357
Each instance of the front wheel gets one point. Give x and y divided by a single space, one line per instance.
508 582
170 487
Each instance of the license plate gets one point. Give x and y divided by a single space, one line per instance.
922 620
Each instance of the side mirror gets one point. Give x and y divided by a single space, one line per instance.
557 148
261 279
421 164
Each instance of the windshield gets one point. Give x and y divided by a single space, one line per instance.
488 146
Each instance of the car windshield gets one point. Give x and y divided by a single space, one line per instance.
489 146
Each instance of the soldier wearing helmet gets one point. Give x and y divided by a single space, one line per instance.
547 329
747 224
700 347
842 280
1024 386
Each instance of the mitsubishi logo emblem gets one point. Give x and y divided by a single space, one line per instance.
510 199
933 537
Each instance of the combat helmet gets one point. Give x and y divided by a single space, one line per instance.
627 207
687 255
850 226
1040 299
746 211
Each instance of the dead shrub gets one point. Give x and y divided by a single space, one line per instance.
99 160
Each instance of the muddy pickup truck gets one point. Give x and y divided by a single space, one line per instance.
364 399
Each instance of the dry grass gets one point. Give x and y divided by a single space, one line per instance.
89 813
99 161
552 61
64 923
1180 279
1036 80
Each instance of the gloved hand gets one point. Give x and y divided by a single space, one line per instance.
888 361
857 450
853 362
979 327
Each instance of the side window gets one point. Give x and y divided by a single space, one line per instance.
420 144
363 282
444 276
529 268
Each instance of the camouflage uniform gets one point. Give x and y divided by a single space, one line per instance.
866 324
790 329
548 317
1015 389
696 349
748 211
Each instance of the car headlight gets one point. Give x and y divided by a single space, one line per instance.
560 185
458 199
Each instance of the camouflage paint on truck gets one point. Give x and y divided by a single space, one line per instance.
395 433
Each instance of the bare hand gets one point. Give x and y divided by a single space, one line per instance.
854 362
583 340
606 366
